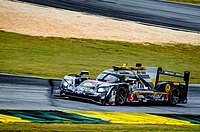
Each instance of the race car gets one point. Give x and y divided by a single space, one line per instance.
122 84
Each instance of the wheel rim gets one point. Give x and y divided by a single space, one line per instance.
175 96
121 96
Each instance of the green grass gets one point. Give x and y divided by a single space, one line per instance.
56 57
188 1
91 127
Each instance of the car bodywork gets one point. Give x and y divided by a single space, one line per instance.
122 84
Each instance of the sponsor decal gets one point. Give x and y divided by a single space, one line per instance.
87 84
167 88
131 97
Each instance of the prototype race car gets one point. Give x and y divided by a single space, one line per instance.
122 84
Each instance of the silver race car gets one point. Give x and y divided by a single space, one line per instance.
122 84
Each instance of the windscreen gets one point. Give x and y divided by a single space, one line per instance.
101 76
111 78
108 77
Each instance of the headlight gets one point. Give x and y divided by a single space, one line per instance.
101 90
65 84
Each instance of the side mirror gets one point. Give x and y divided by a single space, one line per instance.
84 73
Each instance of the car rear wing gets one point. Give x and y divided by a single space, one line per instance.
185 76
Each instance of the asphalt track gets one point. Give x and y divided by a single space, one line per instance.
156 12
31 93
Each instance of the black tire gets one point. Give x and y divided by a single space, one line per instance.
121 96
174 96
102 102
62 93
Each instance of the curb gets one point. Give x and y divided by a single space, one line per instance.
94 117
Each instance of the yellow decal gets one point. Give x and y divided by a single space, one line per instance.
137 94
87 84
176 83
167 88
11 119
124 65
131 117
126 79
149 92
153 81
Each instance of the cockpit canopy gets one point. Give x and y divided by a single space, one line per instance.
129 75
113 76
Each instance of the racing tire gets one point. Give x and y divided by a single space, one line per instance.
121 96
102 102
62 93
174 96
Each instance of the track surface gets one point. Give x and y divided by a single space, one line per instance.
156 12
36 94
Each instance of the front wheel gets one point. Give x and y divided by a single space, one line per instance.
103 102
62 93
121 96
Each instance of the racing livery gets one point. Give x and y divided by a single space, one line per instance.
122 84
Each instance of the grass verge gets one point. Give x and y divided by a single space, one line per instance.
188 1
56 57
91 127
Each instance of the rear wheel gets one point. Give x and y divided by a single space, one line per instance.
121 96
174 96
